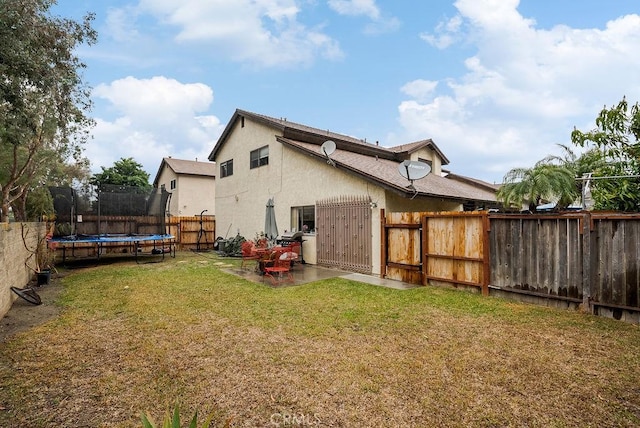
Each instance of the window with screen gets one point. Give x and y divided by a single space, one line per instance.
260 157
226 168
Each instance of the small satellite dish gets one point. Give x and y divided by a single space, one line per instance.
327 148
413 170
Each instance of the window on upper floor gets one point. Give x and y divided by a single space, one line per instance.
259 157
226 168
173 184
303 219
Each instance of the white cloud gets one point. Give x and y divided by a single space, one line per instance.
448 32
524 88
265 33
356 7
120 26
419 89
379 24
154 118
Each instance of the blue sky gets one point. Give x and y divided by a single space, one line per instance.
496 84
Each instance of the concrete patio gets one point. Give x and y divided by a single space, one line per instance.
305 273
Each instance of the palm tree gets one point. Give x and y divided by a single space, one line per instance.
545 181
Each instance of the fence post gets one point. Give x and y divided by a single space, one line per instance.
383 244
586 262
486 253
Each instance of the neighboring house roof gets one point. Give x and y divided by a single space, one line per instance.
474 181
186 167
371 162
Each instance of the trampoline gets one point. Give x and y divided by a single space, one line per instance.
111 219
136 244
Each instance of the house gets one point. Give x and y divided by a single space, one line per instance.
191 184
335 200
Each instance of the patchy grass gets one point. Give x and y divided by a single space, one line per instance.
142 338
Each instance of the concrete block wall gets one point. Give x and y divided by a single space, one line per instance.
14 256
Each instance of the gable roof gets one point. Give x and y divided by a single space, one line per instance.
371 162
302 132
186 167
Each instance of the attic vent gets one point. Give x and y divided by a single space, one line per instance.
242 121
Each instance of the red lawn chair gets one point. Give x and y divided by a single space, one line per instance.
249 253
280 271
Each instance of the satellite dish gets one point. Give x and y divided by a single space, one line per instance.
327 148
413 170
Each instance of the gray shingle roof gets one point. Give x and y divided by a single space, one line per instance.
300 132
385 173
372 162
187 167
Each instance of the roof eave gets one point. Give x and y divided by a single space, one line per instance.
162 164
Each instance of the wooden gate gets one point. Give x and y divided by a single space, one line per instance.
197 232
448 247
343 233
402 246
456 248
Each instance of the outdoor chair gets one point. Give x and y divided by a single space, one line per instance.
249 253
280 271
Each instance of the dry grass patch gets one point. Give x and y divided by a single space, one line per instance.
333 353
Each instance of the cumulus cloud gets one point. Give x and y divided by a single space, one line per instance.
524 87
419 89
153 118
265 33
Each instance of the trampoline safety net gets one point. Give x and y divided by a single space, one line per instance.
109 209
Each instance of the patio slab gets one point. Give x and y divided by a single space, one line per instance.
305 273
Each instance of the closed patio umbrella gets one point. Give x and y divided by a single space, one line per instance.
270 226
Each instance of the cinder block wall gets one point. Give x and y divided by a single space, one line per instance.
13 256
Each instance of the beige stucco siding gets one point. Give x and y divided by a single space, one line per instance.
396 203
192 194
291 178
428 154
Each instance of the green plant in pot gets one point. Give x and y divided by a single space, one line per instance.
41 258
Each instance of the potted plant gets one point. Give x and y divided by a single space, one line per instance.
42 257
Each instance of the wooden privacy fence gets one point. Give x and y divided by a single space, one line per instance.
586 258
191 232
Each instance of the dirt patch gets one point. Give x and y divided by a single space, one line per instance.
23 315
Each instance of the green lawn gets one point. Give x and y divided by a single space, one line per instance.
140 338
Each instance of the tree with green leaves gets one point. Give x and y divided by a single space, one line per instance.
614 157
124 172
546 181
43 99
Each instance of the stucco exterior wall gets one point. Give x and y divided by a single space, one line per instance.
192 194
291 178
428 154
396 203
13 255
